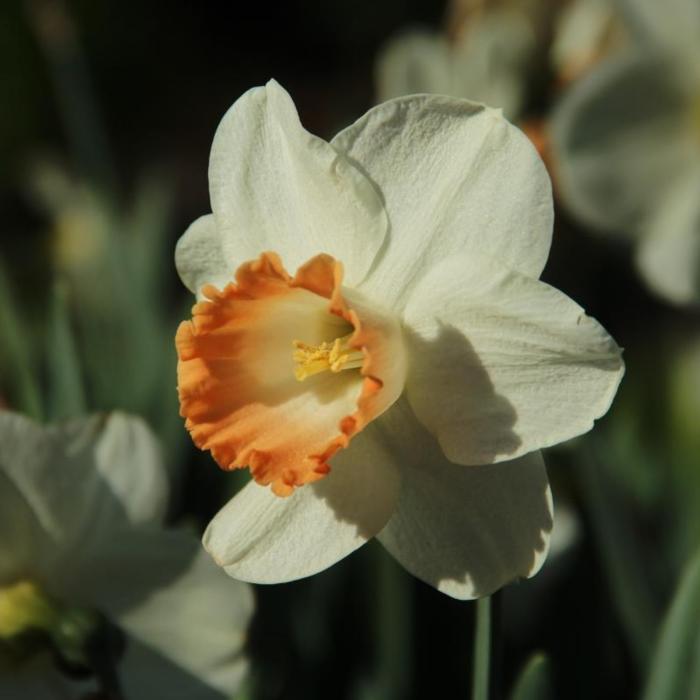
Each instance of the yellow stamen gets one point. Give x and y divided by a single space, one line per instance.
334 356
26 607
23 606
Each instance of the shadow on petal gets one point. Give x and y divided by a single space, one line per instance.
467 530
363 486
452 395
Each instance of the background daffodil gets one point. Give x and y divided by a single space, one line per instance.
626 144
485 58
81 513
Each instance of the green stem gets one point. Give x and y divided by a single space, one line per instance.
625 572
57 37
482 650
15 353
394 628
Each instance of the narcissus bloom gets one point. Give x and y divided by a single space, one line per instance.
626 144
585 31
81 512
485 59
396 337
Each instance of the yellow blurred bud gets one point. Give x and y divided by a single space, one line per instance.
24 606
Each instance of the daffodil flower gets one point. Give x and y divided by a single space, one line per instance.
81 511
626 144
369 327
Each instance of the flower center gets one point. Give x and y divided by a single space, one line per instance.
236 370
26 609
24 606
334 356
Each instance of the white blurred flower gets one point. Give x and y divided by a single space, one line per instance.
431 346
487 61
626 142
81 511
585 32
566 531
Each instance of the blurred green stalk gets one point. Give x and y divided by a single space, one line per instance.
57 37
16 358
674 669
626 575
482 649
66 396
534 681
394 632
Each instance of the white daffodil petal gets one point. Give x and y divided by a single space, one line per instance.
83 477
669 253
487 64
262 538
199 257
193 653
503 364
619 135
456 178
275 186
467 531
414 62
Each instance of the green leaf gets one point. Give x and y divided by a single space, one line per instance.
672 673
17 367
394 626
624 567
66 396
393 630
482 650
535 680
147 230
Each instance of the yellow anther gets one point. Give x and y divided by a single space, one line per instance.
334 356
23 606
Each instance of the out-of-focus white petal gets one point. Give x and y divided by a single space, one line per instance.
275 186
138 578
487 64
672 24
87 496
456 178
83 478
200 257
619 136
669 252
582 33
467 531
491 60
128 459
502 364
414 62
262 538
185 619
566 531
